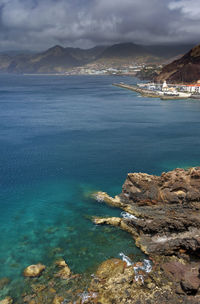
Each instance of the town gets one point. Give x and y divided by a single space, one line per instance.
165 90
114 68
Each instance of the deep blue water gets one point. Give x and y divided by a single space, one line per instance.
64 137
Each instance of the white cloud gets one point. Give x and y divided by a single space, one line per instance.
189 8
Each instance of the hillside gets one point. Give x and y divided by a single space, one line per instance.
186 69
59 59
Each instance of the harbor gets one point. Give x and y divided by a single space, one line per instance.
164 91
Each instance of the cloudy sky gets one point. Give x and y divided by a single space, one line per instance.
39 24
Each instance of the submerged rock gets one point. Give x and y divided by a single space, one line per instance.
7 300
65 272
4 282
34 270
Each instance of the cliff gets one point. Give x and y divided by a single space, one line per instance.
184 70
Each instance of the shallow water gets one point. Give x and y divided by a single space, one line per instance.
62 138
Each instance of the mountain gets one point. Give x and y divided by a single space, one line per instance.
123 50
59 59
131 50
186 69
168 51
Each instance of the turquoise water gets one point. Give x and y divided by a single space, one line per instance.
62 138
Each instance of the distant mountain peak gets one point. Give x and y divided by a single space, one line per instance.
56 50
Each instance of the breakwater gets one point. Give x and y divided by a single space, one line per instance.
148 93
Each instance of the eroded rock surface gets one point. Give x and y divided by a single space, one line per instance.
177 186
166 210
163 215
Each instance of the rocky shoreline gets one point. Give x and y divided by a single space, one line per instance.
162 213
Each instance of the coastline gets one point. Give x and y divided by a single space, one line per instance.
162 215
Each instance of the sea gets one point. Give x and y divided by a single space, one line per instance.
61 139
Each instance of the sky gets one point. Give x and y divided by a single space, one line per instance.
40 24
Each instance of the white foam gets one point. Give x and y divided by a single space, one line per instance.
86 296
99 197
146 267
128 216
139 277
125 259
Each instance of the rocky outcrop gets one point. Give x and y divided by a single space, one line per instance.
163 215
166 211
34 270
178 186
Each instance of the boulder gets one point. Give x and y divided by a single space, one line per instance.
185 274
110 268
191 281
34 270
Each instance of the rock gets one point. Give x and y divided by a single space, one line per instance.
186 274
114 221
110 268
34 270
175 186
151 285
61 263
58 300
191 280
166 211
104 197
7 300
166 226
175 270
65 272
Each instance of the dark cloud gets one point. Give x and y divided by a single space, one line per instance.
38 24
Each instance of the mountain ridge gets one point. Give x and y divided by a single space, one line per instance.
58 59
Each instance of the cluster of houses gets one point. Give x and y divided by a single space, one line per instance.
184 90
